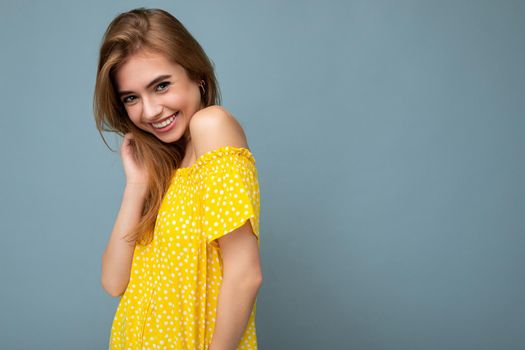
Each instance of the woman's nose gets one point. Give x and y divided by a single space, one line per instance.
151 109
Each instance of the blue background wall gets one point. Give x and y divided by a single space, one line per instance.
389 138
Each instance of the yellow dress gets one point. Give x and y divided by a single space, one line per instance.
172 294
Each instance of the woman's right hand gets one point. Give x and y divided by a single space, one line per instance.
136 174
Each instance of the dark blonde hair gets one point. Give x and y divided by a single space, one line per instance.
157 31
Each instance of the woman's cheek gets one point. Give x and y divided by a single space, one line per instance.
175 97
134 113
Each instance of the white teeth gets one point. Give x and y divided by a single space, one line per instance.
164 123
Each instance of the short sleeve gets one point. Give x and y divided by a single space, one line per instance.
229 192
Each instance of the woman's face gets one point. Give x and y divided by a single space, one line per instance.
154 90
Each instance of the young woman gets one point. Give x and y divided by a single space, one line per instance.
184 250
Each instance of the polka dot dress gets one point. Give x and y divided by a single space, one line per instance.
171 298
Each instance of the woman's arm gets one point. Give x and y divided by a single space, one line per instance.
118 255
234 307
211 128
242 278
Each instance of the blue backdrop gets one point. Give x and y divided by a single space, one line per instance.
389 139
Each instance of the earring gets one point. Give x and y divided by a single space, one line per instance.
201 85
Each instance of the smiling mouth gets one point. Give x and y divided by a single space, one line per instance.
166 122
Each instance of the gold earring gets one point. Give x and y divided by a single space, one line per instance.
201 85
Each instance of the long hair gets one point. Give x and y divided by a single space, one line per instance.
157 31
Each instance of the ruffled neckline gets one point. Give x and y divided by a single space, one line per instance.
213 154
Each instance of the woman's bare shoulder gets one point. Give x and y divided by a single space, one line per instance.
214 127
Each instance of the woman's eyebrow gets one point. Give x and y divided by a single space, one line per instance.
151 83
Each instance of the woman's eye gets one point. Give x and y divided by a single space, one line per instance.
126 99
162 84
